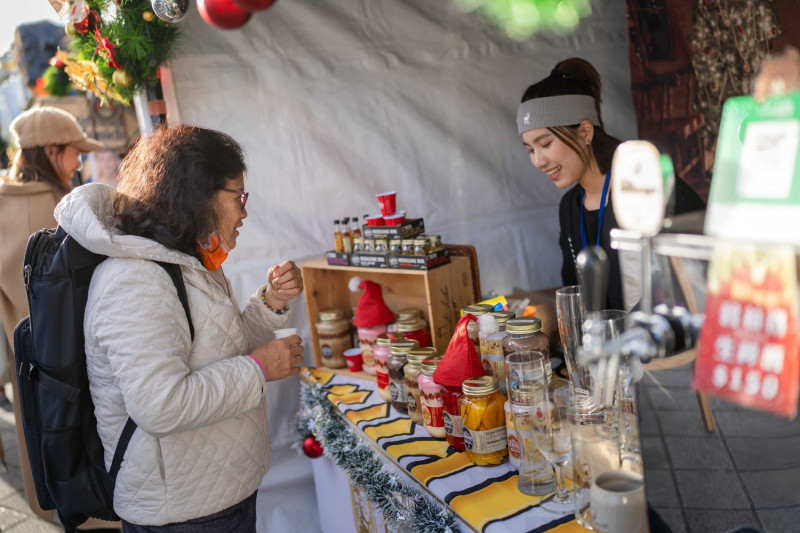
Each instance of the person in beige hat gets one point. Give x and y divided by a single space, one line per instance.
49 142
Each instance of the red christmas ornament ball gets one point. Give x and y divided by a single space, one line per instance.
254 5
312 447
222 14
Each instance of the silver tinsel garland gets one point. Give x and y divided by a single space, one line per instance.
405 508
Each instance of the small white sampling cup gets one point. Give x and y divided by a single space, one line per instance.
618 502
285 332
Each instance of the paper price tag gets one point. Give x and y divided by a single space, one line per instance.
748 351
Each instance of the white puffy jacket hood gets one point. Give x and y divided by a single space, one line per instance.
201 445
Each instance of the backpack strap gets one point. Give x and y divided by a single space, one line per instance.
174 272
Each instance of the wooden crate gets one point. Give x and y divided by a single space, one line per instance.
440 293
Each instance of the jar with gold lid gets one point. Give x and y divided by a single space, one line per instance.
409 313
483 417
381 246
369 245
333 337
396 246
358 244
473 329
414 329
525 335
411 372
397 385
381 352
407 246
430 396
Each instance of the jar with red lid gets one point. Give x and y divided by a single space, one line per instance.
430 395
380 353
414 328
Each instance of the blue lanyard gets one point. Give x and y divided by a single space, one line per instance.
600 217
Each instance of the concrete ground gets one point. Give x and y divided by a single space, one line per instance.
746 472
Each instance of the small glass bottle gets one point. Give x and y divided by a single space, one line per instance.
411 371
435 243
491 351
338 239
524 335
347 238
333 336
421 247
430 396
483 416
473 329
369 245
381 353
395 246
356 229
358 244
407 246
414 329
381 246
397 380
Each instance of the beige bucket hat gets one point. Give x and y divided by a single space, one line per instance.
43 126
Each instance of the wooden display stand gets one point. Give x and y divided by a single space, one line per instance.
440 293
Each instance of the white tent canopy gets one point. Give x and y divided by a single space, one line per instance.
336 100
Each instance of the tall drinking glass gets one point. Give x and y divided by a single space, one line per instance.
550 411
523 371
570 309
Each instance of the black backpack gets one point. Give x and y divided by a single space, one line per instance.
58 418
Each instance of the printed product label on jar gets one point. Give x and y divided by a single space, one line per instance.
398 391
453 425
432 416
327 351
412 402
489 441
381 377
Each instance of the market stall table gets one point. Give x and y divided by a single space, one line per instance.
484 498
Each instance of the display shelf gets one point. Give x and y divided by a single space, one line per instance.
440 293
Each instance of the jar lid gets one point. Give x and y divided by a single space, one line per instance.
409 312
524 325
383 340
416 356
403 347
330 314
430 364
480 385
395 241
435 237
408 242
420 242
500 317
478 309
413 324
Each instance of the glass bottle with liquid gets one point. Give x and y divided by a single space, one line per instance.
347 238
338 238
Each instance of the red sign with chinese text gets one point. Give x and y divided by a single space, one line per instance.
748 351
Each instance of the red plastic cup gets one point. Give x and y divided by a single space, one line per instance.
394 220
353 357
375 220
387 202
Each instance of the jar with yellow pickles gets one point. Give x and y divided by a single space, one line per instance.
483 417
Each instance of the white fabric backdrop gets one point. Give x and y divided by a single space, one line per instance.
336 100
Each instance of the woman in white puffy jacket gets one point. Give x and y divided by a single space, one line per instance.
201 447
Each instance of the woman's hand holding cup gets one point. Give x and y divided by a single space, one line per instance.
281 358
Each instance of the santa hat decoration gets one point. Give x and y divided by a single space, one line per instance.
371 310
460 361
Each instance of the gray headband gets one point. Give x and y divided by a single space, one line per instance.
552 111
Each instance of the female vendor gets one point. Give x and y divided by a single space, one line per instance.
561 126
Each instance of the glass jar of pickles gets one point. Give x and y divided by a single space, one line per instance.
407 246
381 352
333 336
483 416
411 372
430 396
421 247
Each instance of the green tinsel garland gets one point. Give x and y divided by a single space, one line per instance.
141 45
403 506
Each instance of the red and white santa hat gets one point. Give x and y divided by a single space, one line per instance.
460 361
371 310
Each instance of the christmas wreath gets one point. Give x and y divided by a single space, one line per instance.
117 46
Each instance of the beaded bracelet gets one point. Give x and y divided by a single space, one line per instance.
277 312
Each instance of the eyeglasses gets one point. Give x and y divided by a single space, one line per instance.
242 195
